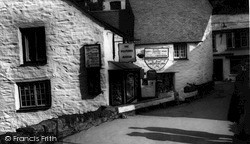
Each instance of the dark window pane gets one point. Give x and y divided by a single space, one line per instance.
33 43
30 94
115 5
180 51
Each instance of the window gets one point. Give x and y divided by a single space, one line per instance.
214 42
230 40
180 51
244 39
33 45
237 39
34 95
115 5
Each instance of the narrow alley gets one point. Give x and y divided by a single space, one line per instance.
199 121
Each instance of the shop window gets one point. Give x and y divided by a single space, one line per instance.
115 5
33 45
34 95
180 51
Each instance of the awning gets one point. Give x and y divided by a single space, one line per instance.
122 66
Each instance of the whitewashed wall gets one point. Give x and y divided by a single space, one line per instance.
67 30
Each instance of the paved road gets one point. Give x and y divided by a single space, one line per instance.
201 121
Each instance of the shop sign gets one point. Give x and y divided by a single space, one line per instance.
156 58
92 56
127 52
156 53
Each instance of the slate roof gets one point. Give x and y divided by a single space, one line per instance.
165 21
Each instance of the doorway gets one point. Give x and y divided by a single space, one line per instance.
218 69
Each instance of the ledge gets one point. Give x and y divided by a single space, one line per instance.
143 104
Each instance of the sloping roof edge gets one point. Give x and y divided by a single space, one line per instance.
98 21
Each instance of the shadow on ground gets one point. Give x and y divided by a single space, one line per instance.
183 136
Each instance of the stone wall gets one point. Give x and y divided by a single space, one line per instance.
67 29
53 130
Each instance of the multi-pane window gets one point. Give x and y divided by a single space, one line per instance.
237 39
244 39
115 5
33 45
34 94
180 51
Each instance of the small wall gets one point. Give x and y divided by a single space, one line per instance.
53 130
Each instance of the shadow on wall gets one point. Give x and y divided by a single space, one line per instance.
89 79
179 135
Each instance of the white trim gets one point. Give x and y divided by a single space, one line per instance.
16 95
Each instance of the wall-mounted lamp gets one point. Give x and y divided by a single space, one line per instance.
141 54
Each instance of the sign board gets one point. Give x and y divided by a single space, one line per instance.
156 52
156 58
127 52
92 56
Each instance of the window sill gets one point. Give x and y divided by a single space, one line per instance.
33 109
33 64
235 49
181 59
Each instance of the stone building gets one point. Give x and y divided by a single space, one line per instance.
230 44
53 61
183 29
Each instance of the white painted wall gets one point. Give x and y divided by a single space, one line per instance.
106 4
67 31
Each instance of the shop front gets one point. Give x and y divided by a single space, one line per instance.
124 83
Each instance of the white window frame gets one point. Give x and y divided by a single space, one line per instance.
180 51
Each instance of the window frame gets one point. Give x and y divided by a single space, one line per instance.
247 39
46 105
179 51
230 38
30 54
115 5
214 42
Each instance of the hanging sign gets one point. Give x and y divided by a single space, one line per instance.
92 56
127 52
156 58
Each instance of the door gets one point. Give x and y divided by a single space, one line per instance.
218 69
164 84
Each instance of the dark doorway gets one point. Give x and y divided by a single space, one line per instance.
165 83
218 69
